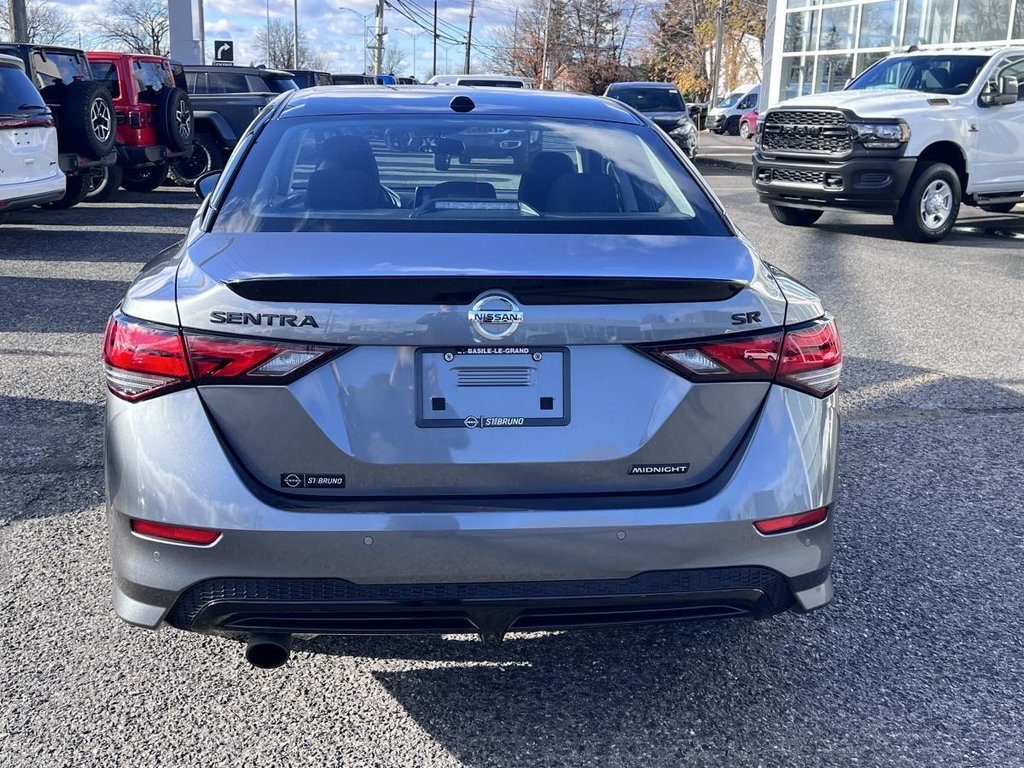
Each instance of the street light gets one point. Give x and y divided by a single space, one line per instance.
413 35
365 23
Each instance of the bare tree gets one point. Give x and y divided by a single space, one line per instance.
48 23
139 26
394 60
280 52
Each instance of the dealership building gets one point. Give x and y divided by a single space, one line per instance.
812 46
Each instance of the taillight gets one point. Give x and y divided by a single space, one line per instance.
142 359
788 523
807 358
40 121
178 533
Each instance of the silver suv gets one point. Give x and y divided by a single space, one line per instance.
377 392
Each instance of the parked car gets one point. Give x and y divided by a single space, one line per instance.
748 124
310 78
725 116
224 101
349 79
155 125
373 395
29 170
664 105
915 136
482 81
384 79
82 109
408 81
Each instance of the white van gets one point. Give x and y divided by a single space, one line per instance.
29 173
482 80
725 116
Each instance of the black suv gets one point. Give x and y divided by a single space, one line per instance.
83 111
310 78
224 101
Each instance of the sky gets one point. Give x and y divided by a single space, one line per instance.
337 33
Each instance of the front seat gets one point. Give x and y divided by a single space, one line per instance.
347 178
544 170
584 193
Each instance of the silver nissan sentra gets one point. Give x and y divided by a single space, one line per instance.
384 386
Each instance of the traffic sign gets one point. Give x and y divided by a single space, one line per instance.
223 52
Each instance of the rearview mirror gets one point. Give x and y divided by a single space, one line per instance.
206 183
1006 92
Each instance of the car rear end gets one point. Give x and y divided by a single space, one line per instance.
461 407
29 173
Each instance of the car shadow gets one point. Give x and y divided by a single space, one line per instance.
992 231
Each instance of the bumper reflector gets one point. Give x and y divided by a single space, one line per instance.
789 523
177 533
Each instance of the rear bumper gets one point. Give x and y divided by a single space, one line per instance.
15 197
72 164
512 554
141 157
861 183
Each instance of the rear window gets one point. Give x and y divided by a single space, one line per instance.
280 84
106 73
483 82
650 99
464 174
17 94
150 78
57 68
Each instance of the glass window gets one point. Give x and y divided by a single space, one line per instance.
1014 68
649 99
837 28
801 31
335 174
225 82
880 24
276 84
193 82
939 73
58 68
150 78
978 20
833 72
865 60
800 3
928 22
17 93
1018 22
797 76
106 72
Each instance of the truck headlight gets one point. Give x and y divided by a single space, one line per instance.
880 135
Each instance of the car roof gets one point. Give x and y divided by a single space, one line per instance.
642 84
376 99
244 70
979 50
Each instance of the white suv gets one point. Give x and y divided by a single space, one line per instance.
915 135
29 173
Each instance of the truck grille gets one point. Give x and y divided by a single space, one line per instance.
792 130
799 177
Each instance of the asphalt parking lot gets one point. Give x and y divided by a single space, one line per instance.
919 660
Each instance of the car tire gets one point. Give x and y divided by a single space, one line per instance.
794 217
744 129
103 182
144 179
75 190
465 158
87 119
930 206
175 125
1000 207
206 156
732 126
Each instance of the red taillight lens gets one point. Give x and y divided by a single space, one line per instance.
177 533
812 358
788 523
224 359
141 359
808 358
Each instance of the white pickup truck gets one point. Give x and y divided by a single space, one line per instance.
915 135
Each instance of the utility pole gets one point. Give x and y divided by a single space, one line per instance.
19 19
269 62
378 48
469 38
435 37
718 54
295 35
544 58
515 37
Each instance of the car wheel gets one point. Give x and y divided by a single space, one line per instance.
206 156
929 208
465 158
75 190
174 122
144 179
103 182
732 126
794 217
87 120
1000 207
744 130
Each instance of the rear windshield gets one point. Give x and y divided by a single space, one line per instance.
463 173
650 99
280 84
59 68
17 94
150 78
484 82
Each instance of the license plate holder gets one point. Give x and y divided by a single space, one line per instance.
492 387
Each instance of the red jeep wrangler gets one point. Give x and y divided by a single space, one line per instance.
154 120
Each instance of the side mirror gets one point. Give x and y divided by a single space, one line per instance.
206 183
1006 92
